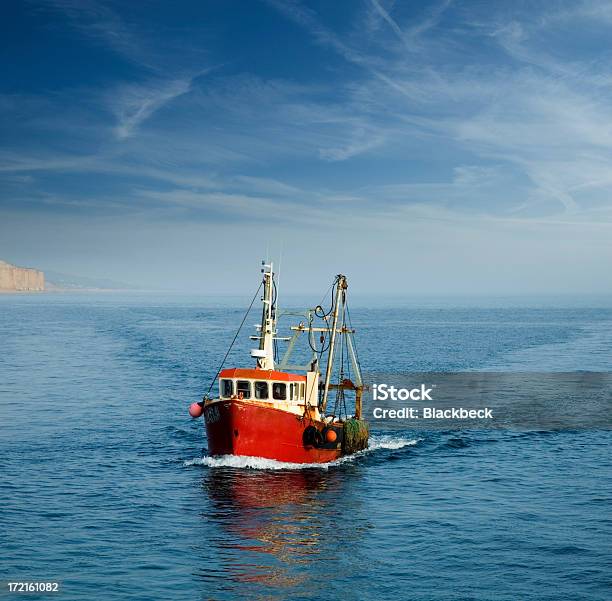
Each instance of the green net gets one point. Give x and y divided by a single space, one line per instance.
355 436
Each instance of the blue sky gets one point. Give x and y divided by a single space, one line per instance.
433 148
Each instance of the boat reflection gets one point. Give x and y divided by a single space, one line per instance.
273 526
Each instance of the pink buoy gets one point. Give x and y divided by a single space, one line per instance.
195 409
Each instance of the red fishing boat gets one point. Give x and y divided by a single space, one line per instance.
269 411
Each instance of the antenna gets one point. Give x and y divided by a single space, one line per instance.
280 262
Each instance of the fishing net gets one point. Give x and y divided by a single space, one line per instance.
355 436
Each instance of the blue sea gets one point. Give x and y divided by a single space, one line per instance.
107 489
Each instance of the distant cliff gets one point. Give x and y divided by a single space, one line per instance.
13 278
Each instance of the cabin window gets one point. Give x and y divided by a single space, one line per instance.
243 387
227 388
261 391
302 390
279 391
291 391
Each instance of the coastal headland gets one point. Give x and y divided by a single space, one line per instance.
20 279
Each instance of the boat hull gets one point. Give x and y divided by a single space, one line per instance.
236 427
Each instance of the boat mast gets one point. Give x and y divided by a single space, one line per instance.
341 286
265 353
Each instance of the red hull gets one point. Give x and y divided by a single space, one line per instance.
238 427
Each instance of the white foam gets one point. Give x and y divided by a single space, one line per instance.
254 463
261 463
387 441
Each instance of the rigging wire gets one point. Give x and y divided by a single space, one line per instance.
353 339
274 299
354 345
319 306
234 340
340 391
320 312
323 315
340 402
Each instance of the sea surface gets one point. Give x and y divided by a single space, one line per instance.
106 487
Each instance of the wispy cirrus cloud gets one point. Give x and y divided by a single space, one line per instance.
409 34
536 111
511 126
98 22
135 103
446 131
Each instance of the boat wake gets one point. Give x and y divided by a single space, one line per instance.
377 443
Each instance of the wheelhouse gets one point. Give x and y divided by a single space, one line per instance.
262 385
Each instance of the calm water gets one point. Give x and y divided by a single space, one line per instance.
104 487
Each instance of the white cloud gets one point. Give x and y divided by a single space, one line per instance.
134 104
527 121
97 22
538 115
